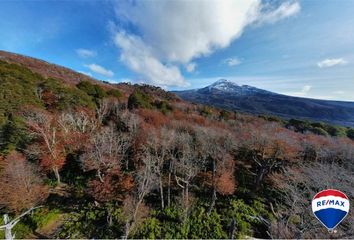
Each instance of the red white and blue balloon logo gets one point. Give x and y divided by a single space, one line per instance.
330 207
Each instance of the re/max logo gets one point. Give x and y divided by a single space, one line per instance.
330 202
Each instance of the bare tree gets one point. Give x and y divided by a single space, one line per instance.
105 151
81 120
187 163
51 140
127 123
103 109
159 144
21 184
269 147
299 184
215 146
145 181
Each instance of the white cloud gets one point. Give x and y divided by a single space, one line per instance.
138 57
190 67
100 70
331 62
86 73
85 53
339 92
271 15
304 91
234 61
175 32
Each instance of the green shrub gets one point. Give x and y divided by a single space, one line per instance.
298 125
13 134
171 223
336 131
114 93
271 118
138 99
247 217
61 96
202 225
163 106
318 125
206 111
93 90
18 87
44 216
150 229
224 115
87 87
350 133
92 222
319 131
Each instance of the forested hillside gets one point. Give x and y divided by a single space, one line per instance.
134 161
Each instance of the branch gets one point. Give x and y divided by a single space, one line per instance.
12 223
260 219
180 179
255 159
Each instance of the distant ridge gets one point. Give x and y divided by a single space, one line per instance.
229 95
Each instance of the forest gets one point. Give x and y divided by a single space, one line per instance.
99 160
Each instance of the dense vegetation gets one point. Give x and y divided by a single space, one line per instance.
318 128
152 166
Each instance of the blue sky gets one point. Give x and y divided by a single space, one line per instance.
300 48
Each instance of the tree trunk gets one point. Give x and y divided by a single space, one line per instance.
232 230
9 225
136 209
161 193
57 175
187 195
169 190
126 230
213 200
260 176
127 164
99 175
8 228
213 197
109 218
131 221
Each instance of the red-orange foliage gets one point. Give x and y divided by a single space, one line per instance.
326 148
51 140
50 99
154 118
225 183
115 187
225 180
178 115
21 185
197 119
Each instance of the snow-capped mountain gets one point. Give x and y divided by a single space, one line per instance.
231 87
232 96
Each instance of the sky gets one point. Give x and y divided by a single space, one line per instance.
294 47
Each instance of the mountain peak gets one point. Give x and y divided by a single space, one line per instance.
224 85
222 80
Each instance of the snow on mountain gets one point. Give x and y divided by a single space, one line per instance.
226 86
